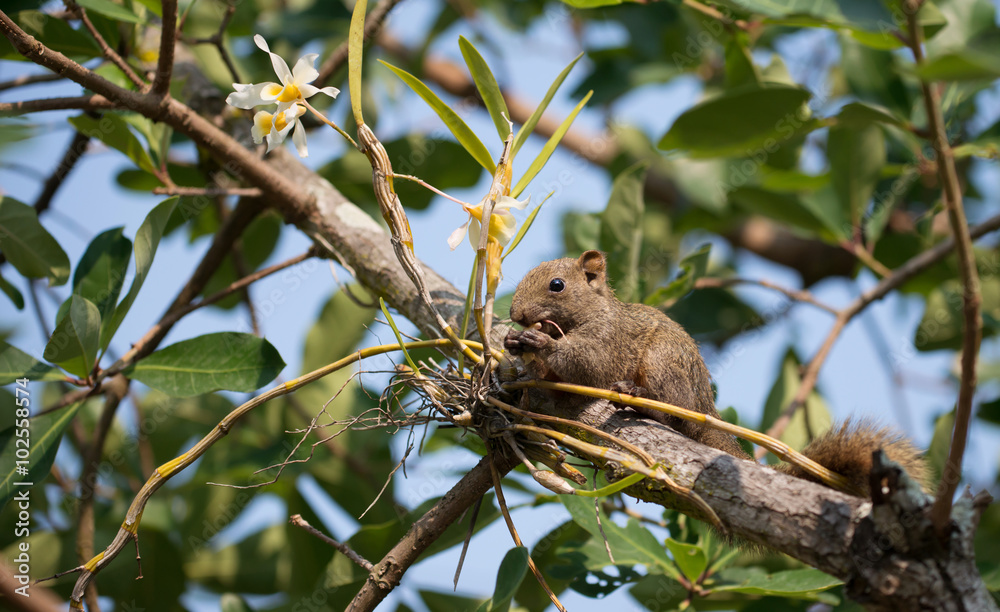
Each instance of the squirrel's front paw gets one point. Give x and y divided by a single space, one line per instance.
528 340
629 387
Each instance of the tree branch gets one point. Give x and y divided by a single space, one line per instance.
93 102
168 39
882 550
972 322
386 574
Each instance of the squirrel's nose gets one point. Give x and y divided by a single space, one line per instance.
517 314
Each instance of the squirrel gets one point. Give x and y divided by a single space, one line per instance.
576 330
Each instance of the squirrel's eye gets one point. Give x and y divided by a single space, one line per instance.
556 285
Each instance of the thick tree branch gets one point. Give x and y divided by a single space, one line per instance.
885 553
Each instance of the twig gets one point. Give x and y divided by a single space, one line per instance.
298 521
799 295
168 39
231 229
714 13
77 147
32 79
208 192
373 23
498 488
114 391
859 251
903 273
93 102
216 39
81 13
972 323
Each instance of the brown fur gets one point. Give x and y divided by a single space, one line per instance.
589 337
847 450
607 343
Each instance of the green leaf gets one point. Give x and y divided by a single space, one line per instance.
448 602
630 544
529 125
462 132
693 267
621 230
547 556
45 432
15 363
937 452
942 323
690 558
516 240
486 83
113 131
860 115
963 65
806 423
856 157
355 59
101 273
666 592
784 207
57 35
549 147
740 69
512 570
797 584
110 9
147 239
221 361
739 121
12 292
28 246
76 339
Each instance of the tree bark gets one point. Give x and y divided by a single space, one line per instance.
885 550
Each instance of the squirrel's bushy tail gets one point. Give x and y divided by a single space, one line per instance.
847 449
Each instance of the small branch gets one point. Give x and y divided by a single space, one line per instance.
794 294
93 102
208 192
386 573
902 274
972 322
216 39
77 147
859 251
231 229
21 81
714 13
298 521
114 391
81 13
168 39
373 23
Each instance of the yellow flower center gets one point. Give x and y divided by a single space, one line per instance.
289 93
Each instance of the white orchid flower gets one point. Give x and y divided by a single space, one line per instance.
294 84
502 222
274 128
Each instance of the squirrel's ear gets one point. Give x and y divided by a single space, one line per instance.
594 266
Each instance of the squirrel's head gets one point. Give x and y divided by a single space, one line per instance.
562 291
